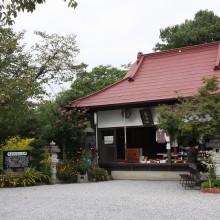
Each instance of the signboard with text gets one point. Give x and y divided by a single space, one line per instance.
146 116
108 140
15 159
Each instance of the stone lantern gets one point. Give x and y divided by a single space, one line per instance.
53 150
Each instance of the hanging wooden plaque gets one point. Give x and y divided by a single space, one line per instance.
146 116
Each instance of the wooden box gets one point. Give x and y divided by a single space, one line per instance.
133 155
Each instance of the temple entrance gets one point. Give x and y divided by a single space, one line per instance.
139 137
112 143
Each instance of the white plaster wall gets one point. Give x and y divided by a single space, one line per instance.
113 118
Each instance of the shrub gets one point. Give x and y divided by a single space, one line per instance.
45 169
82 166
31 176
205 185
67 171
98 174
16 143
28 178
211 184
38 154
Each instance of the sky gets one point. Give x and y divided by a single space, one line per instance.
110 32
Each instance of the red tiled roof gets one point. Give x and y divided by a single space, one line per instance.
158 76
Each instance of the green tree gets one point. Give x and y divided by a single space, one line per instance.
23 74
204 28
54 58
63 126
69 130
16 83
90 82
195 117
10 9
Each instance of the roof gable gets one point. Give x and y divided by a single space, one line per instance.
159 76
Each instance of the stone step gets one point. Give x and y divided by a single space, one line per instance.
146 175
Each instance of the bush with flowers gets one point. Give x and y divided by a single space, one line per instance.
212 180
68 171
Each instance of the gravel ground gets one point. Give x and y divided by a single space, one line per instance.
118 199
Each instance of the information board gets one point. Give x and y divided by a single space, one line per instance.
108 139
15 159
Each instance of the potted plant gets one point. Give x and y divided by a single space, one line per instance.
82 167
212 184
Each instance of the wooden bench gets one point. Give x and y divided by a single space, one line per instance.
191 180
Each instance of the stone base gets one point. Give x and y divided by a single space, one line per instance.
147 175
55 181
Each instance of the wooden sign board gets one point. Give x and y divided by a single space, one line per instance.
146 116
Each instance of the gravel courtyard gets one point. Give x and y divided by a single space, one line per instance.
118 199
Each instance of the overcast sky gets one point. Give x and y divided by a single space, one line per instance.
111 31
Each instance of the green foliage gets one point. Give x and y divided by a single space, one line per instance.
90 82
68 171
23 75
32 176
204 28
82 166
168 121
39 156
194 117
16 143
10 9
45 116
45 169
97 173
54 58
28 178
205 184
68 129
211 184
16 83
